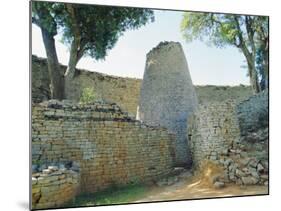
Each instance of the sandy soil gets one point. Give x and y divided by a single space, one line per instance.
191 188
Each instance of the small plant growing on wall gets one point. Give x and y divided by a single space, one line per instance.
87 96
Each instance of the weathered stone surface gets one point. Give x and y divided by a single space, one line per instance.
167 94
53 168
215 127
212 128
219 185
99 141
121 90
264 176
253 115
240 173
260 168
177 170
249 180
51 191
46 171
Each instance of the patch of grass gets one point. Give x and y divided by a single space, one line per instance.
113 195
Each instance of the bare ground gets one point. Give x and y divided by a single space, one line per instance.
192 188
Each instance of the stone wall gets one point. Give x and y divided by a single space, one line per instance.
212 129
124 91
167 95
109 147
253 113
212 93
40 80
215 136
54 187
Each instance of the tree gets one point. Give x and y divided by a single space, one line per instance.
262 57
248 33
91 30
42 16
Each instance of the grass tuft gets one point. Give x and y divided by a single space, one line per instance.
113 195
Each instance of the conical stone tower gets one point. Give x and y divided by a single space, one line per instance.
167 95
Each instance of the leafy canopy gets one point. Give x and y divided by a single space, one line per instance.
97 27
222 29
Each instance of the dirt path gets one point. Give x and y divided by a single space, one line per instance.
191 188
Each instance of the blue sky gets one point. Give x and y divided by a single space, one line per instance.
207 65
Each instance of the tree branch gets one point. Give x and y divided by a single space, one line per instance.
242 44
74 26
36 21
250 33
214 20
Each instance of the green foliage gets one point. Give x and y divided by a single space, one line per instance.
87 96
113 195
101 26
97 27
248 33
222 29
36 162
217 29
43 15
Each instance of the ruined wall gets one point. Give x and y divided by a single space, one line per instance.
215 135
212 129
54 187
211 93
40 80
108 146
253 113
167 94
123 91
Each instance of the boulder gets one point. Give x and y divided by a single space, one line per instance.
249 180
219 185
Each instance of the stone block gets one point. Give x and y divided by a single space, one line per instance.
249 180
219 185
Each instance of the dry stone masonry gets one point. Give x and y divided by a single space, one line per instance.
212 129
123 91
234 136
53 187
253 113
85 148
103 143
212 93
167 95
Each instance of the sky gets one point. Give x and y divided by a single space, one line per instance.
207 65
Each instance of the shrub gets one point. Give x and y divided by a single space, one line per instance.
87 96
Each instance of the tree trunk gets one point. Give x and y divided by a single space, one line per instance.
266 71
75 45
55 75
250 58
266 64
73 60
74 57
253 78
